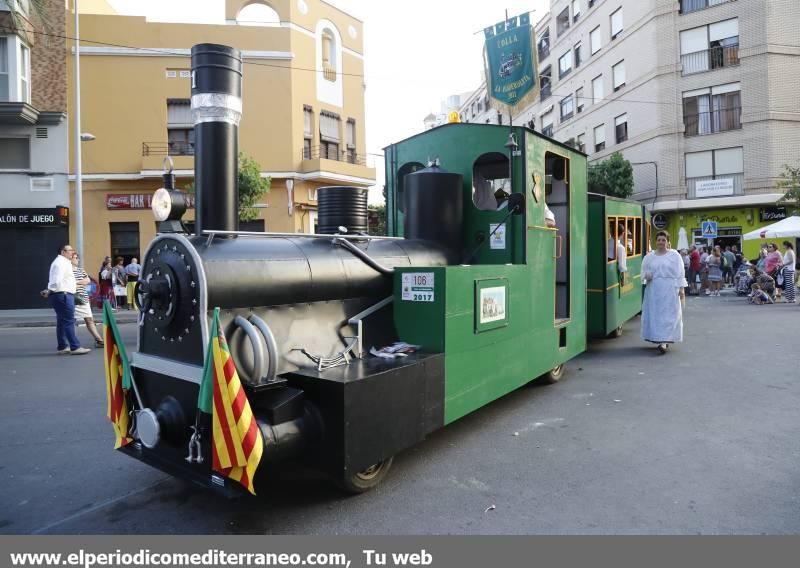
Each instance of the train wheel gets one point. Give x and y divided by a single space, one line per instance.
367 479
554 375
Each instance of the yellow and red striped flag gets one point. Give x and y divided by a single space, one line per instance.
236 444
118 378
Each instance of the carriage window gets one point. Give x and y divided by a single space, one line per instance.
612 238
491 184
637 236
404 170
630 236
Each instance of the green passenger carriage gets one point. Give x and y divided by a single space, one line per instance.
618 239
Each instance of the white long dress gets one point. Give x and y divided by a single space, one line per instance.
662 321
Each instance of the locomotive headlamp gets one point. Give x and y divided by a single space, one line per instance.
168 204
161 204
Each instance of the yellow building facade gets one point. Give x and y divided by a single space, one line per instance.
302 121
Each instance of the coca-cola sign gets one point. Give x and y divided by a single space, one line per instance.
136 201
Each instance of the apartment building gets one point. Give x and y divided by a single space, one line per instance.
303 114
34 198
699 95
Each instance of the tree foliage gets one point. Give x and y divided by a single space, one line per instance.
252 187
377 220
790 185
613 176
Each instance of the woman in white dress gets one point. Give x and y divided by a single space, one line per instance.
662 320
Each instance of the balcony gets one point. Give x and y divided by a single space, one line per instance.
715 186
153 154
329 73
710 59
688 6
329 163
720 120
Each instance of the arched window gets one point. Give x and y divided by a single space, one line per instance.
258 14
491 184
328 55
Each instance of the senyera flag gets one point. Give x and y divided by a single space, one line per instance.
236 444
118 378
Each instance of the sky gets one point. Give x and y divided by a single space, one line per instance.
416 53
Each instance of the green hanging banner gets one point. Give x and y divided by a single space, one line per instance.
511 64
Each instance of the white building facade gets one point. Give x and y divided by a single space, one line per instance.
701 96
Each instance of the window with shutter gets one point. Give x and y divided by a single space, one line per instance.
618 74
616 23
595 42
621 128
599 138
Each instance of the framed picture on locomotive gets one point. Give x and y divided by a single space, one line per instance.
254 348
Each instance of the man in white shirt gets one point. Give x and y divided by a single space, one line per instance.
62 288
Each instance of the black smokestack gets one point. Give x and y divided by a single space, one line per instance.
216 110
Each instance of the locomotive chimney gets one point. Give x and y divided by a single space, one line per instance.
216 110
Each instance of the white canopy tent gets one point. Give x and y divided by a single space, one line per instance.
789 227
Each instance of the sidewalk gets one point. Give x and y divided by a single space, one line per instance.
46 317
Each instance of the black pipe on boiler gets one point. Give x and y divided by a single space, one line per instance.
216 110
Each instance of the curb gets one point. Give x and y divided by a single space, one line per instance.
50 323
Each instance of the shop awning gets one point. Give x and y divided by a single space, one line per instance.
789 227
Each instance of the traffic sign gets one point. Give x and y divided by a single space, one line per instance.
709 229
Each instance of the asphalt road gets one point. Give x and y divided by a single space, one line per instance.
704 440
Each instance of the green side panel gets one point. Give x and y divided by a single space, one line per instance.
421 323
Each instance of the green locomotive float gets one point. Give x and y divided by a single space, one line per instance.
485 269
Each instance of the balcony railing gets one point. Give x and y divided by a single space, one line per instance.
719 120
709 59
720 189
167 148
348 156
329 73
695 5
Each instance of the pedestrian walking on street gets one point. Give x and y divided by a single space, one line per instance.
83 308
662 318
789 260
714 272
62 287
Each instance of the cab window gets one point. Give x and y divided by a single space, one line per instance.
491 184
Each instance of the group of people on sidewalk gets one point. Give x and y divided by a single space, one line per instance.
117 282
68 293
706 272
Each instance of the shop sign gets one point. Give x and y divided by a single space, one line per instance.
713 187
730 232
772 213
34 217
660 221
136 201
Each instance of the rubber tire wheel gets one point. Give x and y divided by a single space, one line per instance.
553 375
616 333
363 481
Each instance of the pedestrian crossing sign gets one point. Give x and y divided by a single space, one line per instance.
709 229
